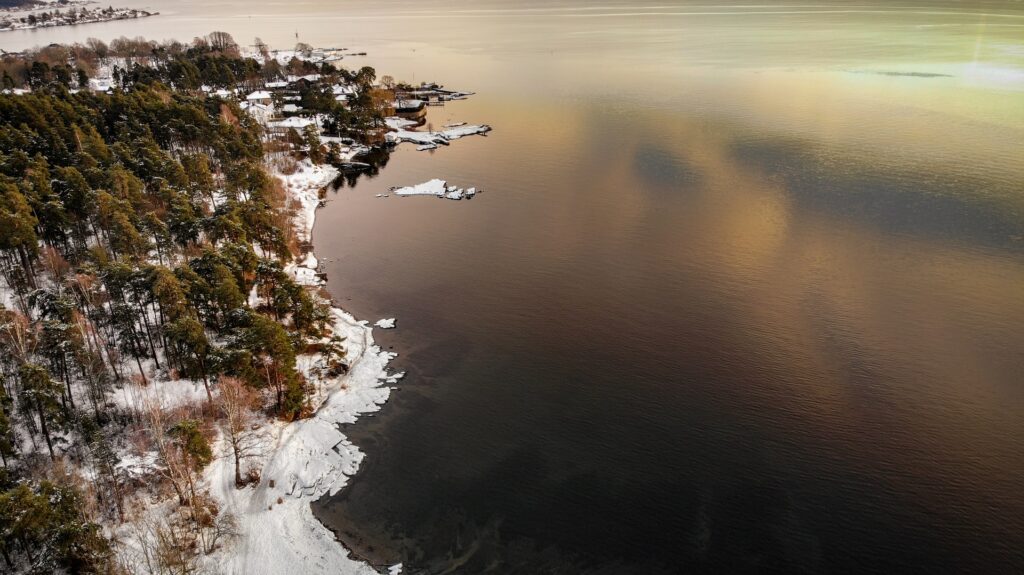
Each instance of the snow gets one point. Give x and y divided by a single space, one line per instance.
426 147
308 78
396 123
306 459
100 84
304 185
443 137
456 132
309 459
8 298
138 465
258 95
408 104
261 112
436 187
343 90
277 85
163 393
293 122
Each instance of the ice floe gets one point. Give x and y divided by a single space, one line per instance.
436 187
386 323
444 137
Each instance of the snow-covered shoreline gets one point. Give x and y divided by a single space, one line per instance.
308 458
18 18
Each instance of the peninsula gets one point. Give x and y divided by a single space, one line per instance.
173 372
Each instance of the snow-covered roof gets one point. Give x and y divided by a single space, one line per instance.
294 122
339 89
280 84
256 107
290 108
259 95
308 78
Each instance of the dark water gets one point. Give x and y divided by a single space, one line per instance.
713 320
745 292
716 321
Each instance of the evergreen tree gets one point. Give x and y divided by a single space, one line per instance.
41 398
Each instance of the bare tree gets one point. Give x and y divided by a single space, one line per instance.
262 48
221 41
236 403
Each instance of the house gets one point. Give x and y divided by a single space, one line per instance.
343 92
276 85
259 97
261 112
294 122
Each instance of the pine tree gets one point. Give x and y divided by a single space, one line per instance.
41 397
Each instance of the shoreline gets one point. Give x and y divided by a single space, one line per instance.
120 15
312 457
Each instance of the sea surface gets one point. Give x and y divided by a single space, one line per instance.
744 292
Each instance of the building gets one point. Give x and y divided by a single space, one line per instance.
259 97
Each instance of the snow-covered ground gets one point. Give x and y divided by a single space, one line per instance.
396 123
309 458
436 187
306 459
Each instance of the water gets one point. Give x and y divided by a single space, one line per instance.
744 294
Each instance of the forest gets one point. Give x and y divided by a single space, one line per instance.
142 237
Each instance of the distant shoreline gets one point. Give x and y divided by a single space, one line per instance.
12 22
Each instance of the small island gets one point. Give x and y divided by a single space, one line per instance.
32 14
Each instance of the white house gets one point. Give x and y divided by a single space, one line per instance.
261 112
259 97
